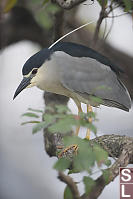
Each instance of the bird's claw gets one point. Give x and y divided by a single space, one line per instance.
72 149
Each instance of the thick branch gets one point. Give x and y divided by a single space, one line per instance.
120 147
114 144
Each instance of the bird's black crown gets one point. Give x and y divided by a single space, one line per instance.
73 49
36 61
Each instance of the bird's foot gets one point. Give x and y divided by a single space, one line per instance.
59 147
72 149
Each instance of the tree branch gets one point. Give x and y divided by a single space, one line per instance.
113 144
20 25
124 159
71 184
101 17
68 4
58 24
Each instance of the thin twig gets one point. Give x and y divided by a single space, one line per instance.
70 183
99 22
114 16
112 23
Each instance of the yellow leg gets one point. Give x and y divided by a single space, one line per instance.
77 130
89 109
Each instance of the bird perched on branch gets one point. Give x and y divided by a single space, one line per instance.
78 72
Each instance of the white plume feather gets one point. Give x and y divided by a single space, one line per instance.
70 33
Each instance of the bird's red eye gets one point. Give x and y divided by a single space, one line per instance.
34 71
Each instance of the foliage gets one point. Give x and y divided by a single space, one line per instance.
44 16
89 183
63 121
87 156
103 2
128 4
68 193
45 11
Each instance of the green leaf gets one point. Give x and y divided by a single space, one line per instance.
84 159
30 122
49 108
89 126
9 5
44 20
83 121
28 114
74 170
91 114
102 2
40 126
68 193
35 110
52 8
106 175
45 2
108 163
89 183
62 164
44 16
48 118
63 125
128 5
100 154
62 109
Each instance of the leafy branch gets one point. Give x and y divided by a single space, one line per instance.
62 121
89 153
108 7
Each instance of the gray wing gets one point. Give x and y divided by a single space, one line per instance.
88 76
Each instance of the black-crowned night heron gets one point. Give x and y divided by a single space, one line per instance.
77 72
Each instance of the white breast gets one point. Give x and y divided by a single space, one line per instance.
47 79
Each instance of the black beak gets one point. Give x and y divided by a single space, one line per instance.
24 83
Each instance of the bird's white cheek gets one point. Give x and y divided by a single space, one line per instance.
36 81
33 82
